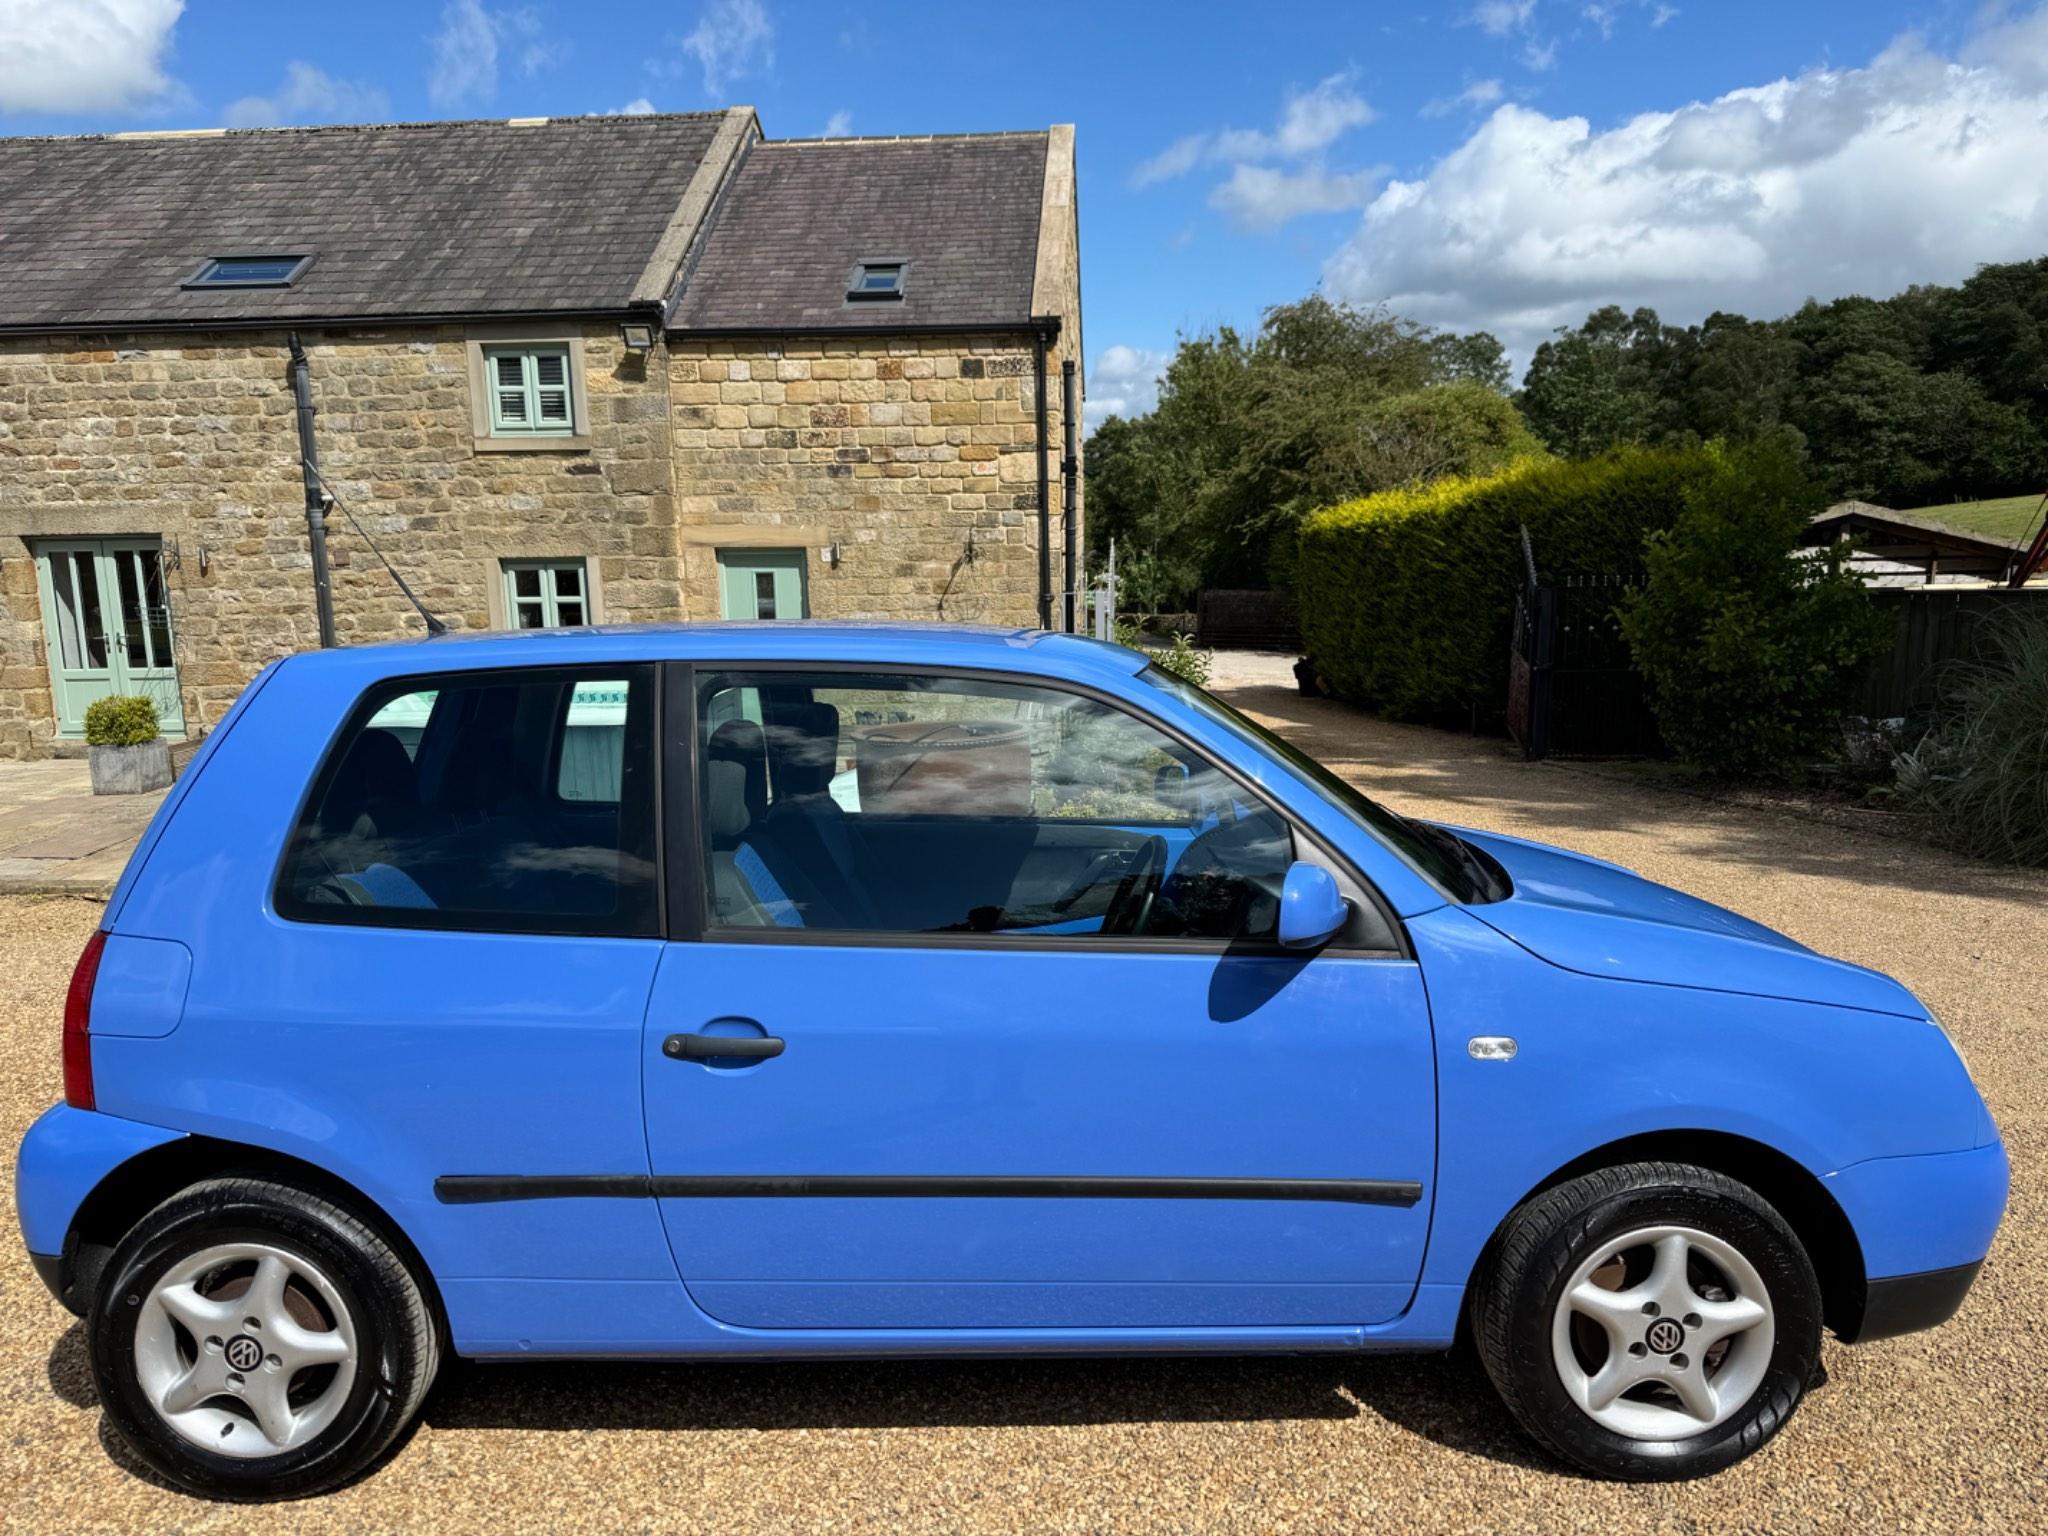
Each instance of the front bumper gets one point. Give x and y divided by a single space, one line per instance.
1909 1303
1925 1224
49 1269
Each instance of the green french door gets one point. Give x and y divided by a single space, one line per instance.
763 584
107 627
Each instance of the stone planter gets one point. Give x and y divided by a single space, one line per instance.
131 770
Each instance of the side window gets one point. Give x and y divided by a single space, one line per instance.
501 801
896 804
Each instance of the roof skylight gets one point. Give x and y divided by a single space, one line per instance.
248 272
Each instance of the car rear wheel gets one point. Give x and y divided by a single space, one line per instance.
1650 1322
253 1340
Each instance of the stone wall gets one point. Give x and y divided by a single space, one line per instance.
912 458
192 438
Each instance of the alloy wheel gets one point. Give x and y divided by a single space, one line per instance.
1662 1333
246 1349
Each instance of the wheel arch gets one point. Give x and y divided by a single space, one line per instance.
1814 1215
134 1188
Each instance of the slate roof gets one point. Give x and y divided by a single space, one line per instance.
407 219
799 214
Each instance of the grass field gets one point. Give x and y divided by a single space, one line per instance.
2014 517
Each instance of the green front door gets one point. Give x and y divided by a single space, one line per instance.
762 584
107 627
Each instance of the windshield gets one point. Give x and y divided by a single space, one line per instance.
1448 861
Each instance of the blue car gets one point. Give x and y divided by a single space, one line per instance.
825 990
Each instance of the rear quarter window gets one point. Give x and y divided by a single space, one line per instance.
515 801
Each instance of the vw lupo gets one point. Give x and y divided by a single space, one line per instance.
818 990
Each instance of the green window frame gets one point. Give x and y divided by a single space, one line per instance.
547 594
530 391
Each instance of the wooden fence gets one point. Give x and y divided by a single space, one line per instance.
1934 629
1247 621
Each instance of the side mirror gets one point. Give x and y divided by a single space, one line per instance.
1312 910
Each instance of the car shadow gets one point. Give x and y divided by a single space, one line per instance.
1444 1400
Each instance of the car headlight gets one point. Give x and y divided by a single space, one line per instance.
1952 1045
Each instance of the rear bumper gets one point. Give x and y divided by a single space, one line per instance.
1908 1303
63 1159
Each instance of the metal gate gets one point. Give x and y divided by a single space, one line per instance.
1572 690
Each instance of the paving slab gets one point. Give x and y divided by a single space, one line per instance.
57 838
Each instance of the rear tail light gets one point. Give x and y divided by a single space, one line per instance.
78 1024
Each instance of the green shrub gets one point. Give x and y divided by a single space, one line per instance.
1180 658
1407 597
121 720
1980 778
1749 646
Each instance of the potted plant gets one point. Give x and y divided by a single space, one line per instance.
129 755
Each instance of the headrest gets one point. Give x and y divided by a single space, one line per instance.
374 769
803 748
735 781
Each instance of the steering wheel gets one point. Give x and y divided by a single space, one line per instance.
1130 909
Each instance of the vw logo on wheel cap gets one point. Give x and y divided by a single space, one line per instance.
1664 1336
243 1352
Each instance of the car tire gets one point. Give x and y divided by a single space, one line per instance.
253 1340
1704 1350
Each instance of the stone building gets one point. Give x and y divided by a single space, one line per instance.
560 372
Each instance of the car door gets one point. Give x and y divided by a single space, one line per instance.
914 1058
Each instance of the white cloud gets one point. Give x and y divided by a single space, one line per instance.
1260 197
839 124
639 106
1123 382
1914 168
86 55
733 38
1310 121
1314 120
1662 14
1480 93
468 47
1256 195
1540 56
1177 159
465 56
1497 18
309 95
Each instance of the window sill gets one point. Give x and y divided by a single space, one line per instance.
579 444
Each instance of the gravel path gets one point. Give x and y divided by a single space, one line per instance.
1937 1432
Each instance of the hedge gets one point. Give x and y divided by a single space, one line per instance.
121 720
1407 596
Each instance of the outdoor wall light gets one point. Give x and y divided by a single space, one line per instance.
831 553
638 338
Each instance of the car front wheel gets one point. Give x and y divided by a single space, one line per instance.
1650 1322
253 1340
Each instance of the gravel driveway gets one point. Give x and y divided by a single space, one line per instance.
1937 1432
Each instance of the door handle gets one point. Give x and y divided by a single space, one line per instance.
704 1047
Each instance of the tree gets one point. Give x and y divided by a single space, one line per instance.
1995 329
1460 428
1748 643
1614 380
1249 436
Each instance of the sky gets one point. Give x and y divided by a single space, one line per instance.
1498 164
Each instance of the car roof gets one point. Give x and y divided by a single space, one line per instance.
902 644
